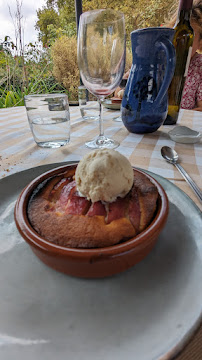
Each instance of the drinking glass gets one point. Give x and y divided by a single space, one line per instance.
87 104
49 119
101 60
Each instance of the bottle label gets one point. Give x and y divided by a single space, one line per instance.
188 61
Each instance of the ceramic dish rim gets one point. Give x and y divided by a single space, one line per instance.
33 238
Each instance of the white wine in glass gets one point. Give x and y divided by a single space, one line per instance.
101 53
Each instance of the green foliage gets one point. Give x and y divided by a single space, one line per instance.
65 68
46 16
15 95
56 17
7 44
53 66
138 14
38 69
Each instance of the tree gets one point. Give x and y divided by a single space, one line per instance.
58 16
7 45
138 14
46 16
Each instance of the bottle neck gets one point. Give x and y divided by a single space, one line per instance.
185 5
184 15
184 10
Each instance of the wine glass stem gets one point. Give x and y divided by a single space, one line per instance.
100 101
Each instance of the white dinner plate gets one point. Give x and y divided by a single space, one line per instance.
146 313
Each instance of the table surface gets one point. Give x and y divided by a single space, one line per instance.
18 152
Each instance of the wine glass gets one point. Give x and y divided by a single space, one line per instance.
101 60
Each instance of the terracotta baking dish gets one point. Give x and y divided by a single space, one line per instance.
89 263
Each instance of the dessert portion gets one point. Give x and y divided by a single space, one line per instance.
118 96
100 203
104 175
119 92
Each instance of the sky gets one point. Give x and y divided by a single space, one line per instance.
28 11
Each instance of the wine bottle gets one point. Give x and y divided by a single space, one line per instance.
182 40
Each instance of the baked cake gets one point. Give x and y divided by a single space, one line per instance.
59 213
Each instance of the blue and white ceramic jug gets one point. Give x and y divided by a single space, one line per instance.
145 102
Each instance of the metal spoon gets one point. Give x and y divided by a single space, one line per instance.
171 156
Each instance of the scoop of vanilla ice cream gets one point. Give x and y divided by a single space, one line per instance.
104 175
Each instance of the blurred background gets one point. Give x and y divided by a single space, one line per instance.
38 50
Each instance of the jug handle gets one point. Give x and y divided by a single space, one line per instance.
170 67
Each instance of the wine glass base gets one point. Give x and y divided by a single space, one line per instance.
118 119
102 142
